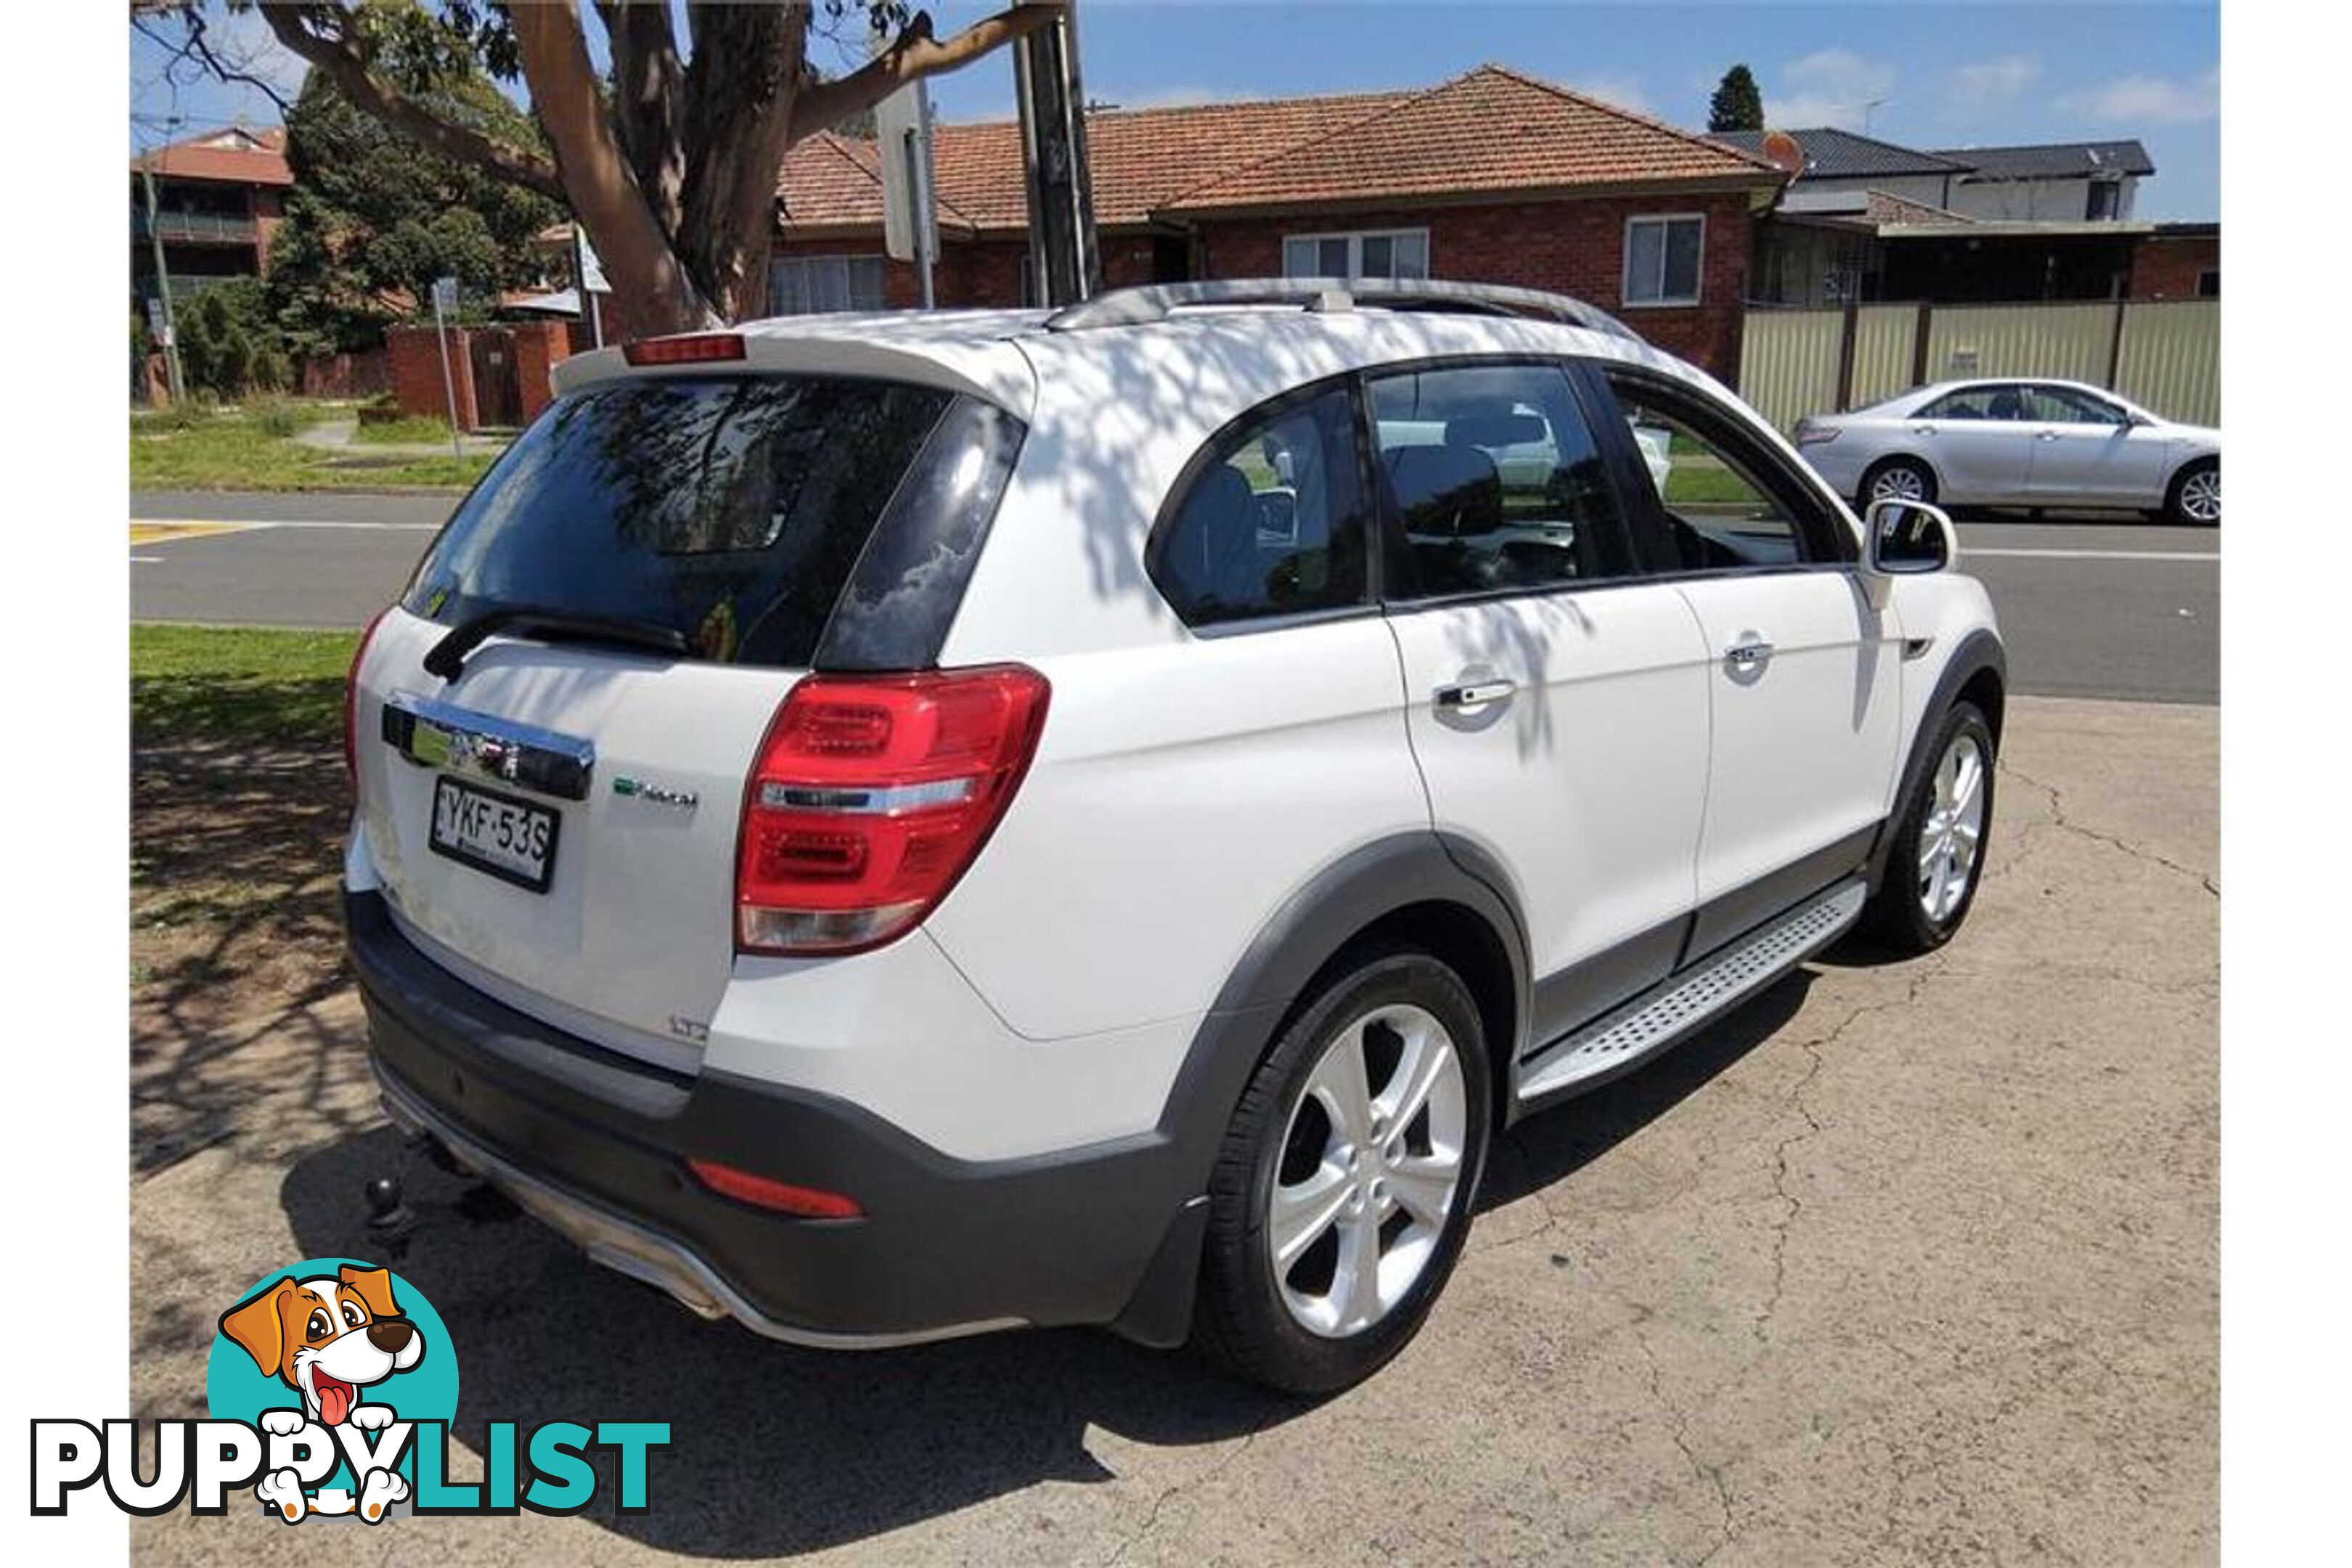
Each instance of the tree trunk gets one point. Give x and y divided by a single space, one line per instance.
650 284
740 90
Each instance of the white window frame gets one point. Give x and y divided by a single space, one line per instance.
849 261
1355 239
1625 268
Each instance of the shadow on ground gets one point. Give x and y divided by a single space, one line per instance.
236 934
777 1450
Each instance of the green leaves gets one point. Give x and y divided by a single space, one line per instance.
374 216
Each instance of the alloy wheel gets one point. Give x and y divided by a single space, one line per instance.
2200 496
1954 829
1901 482
1370 1171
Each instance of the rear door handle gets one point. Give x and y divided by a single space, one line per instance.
1750 654
2046 435
1474 693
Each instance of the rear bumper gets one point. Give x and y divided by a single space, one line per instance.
594 1144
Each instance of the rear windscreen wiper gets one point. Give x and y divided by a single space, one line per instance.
447 659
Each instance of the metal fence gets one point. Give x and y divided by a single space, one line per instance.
2165 354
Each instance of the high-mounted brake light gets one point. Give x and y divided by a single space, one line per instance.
872 794
697 348
352 698
808 1202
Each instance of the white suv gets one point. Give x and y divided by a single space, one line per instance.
887 827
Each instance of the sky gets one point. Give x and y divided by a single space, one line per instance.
1924 73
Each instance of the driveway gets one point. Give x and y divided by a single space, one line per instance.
1907 1263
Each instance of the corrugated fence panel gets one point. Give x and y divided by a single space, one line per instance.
1789 362
1882 352
2065 341
2171 359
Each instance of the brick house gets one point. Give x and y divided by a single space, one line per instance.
219 199
1494 176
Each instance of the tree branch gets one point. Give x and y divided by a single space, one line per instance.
197 47
337 56
913 56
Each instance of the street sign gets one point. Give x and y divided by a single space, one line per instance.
445 294
592 271
902 147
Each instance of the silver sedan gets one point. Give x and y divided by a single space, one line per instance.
2034 443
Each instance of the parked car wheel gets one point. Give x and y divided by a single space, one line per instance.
1902 479
2196 495
1938 858
1343 1193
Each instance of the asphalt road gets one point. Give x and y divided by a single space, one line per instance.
2122 609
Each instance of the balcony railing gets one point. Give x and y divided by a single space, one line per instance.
218 229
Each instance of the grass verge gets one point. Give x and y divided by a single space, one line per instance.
238 808
254 448
413 430
237 683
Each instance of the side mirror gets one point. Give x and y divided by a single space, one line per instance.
1904 537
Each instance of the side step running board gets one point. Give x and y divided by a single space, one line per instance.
1681 1003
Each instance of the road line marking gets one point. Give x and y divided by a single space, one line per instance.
1968 551
160 531
140 522
146 560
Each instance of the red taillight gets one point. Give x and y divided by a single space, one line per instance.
871 796
808 1202
699 348
352 698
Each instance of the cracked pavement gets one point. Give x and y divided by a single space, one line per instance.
1905 1263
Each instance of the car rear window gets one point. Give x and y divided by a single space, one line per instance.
732 509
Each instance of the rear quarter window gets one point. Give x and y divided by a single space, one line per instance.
733 509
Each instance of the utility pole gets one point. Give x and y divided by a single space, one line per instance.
1063 258
162 282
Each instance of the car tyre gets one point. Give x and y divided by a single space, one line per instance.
2195 497
1907 478
1390 1162
1937 861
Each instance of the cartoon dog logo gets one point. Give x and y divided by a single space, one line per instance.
328 1338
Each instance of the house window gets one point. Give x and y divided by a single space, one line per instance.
2209 283
1662 258
804 285
2106 200
1369 253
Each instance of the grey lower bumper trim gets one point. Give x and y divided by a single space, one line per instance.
644 1254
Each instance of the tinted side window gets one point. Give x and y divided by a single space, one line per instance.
1270 521
2065 405
1976 402
1724 505
1496 479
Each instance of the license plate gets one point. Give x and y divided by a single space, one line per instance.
511 839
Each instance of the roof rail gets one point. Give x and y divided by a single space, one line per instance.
1154 303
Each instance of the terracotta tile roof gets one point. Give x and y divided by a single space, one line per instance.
1285 151
1491 129
1142 157
233 156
